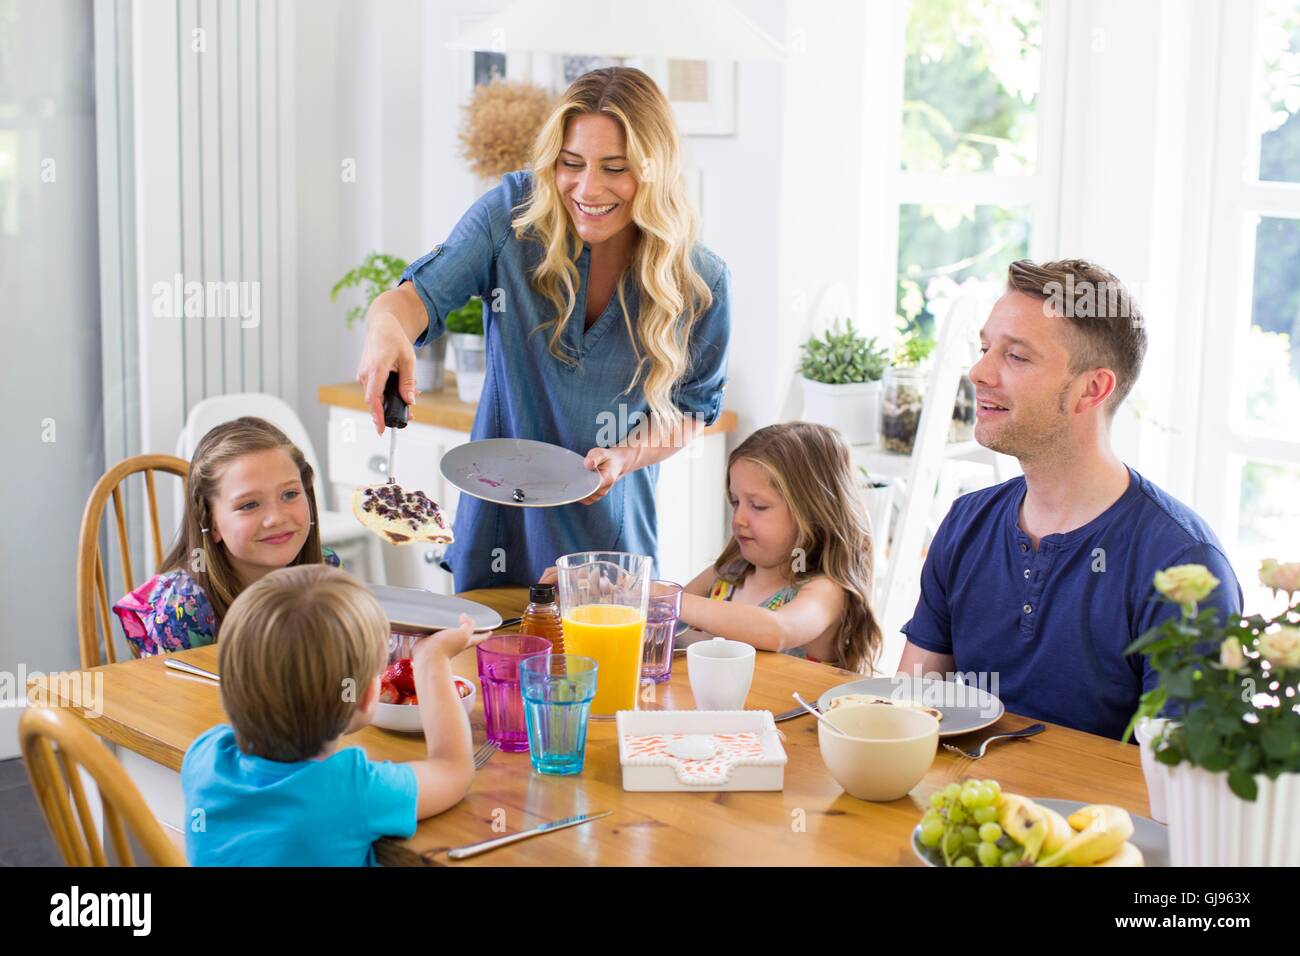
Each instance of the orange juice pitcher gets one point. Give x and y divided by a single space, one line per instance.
603 596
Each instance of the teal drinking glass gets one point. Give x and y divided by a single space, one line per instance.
557 690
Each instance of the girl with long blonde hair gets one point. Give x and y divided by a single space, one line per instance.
607 323
796 575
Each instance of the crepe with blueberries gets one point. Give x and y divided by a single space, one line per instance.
402 517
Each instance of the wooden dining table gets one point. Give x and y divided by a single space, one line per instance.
156 712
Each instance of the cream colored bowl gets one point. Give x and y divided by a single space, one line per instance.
886 753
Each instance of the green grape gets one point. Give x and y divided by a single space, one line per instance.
952 791
970 836
987 796
1012 857
932 833
984 815
963 861
970 795
990 833
995 787
937 800
934 815
952 842
989 854
956 814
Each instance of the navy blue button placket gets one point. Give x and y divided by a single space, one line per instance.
1037 566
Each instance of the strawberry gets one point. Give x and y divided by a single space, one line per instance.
388 694
401 674
410 699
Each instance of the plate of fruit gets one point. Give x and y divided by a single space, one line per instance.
974 823
398 705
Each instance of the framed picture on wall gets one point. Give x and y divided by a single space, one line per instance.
702 92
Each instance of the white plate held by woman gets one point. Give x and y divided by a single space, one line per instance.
520 472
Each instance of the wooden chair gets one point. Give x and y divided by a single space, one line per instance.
54 774
92 589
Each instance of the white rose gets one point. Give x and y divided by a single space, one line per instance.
1186 583
1230 655
1280 577
1281 648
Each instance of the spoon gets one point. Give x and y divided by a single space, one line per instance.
812 710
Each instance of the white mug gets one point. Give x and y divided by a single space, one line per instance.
721 672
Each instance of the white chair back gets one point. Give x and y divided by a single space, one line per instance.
219 409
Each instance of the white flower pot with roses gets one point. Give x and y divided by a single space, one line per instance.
1229 756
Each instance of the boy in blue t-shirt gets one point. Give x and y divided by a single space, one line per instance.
300 657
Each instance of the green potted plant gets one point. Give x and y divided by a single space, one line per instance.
1228 758
841 374
379 272
465 328
904 390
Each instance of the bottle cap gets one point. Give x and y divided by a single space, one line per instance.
541 593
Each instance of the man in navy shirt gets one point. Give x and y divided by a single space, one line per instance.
1038 584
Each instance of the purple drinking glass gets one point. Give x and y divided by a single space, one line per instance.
662 610
498 674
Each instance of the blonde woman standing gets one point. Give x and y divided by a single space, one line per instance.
607 324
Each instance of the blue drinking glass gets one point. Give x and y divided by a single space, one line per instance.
557 690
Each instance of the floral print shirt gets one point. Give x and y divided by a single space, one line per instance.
170 612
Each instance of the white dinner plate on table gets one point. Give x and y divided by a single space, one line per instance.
965 707
423 612
519 472
1148 836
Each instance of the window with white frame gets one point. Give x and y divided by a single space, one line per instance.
980 142
1248 476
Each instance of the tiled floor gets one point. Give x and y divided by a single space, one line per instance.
24 838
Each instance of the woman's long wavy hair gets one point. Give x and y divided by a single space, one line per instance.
809 466
194 552
672 295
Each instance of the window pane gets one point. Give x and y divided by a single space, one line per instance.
1268 527
970 89
1270 362
1278 102
941 247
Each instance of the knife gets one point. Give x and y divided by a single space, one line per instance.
176 665
474 849
396 415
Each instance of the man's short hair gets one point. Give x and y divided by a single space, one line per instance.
1106 327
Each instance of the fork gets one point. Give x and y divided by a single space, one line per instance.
976 754
484 754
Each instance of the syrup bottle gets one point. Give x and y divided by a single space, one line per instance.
542 616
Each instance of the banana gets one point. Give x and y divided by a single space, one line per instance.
1025 822
1103 830
1127 855
1059 832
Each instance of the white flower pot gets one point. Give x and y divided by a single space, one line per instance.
430 365
471 365
1156 773
853 409
1209 825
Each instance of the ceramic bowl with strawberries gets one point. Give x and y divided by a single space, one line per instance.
398 705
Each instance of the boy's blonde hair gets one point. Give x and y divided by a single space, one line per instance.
297 650
810 467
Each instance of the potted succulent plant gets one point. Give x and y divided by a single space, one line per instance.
904 391
465 327
1228 754
841 374
378 273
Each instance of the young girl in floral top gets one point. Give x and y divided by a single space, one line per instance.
249 509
